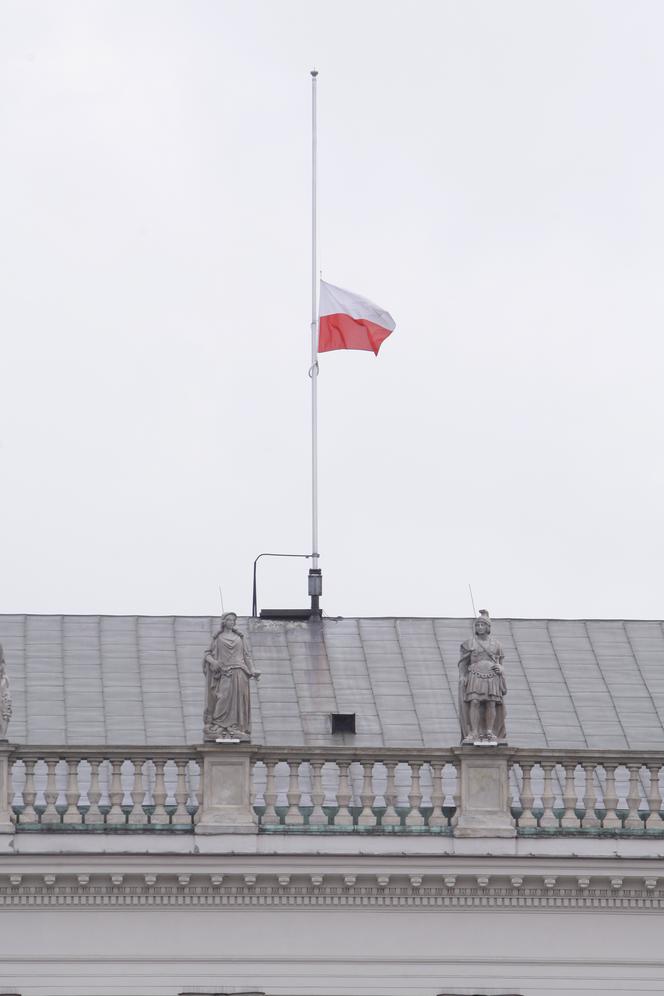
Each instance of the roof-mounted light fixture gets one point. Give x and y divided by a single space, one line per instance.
315 590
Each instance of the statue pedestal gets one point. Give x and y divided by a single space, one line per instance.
6 820
484 808
226 784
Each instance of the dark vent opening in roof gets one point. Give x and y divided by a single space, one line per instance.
297 614
343 722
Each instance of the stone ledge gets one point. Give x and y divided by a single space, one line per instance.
103 846
127 886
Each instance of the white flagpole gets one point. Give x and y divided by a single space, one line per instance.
315 576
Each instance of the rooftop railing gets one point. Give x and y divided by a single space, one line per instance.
384 790
137 789
331 789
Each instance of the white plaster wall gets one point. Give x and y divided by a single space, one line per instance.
328 952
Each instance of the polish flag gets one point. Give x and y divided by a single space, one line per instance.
348 321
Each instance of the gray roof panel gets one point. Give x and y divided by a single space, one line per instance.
139 680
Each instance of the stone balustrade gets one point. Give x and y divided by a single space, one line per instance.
248 788
565 791
342 789
112 788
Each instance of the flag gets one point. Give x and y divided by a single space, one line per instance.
348 321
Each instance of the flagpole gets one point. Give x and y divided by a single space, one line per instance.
315 575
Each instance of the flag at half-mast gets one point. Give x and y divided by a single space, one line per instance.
349 321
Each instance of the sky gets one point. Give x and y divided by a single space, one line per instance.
490 172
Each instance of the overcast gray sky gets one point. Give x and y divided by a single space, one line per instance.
490 172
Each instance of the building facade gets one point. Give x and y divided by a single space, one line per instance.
136 859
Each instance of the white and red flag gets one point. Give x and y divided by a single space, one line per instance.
349 321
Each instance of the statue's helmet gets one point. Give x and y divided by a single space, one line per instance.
484 618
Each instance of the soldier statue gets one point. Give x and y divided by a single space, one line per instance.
482 687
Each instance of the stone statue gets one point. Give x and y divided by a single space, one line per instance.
228 670
5 697
482 687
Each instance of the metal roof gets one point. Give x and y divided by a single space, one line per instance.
138 679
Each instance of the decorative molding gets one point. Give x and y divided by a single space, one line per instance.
252 891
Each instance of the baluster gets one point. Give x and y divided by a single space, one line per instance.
367 817
171 782
60 770
514 772
14 797
294 816
159 815
654 820
105 769
50 814
343 817
116 815
436 816
548 818
256 769
354 805
94 814
570 821
633 820
181 815
590 820
72 814
193 788
29 813
414 817
40 785
611 819
137 815
318 816
270 817
426 791
527 817
390 817
453 817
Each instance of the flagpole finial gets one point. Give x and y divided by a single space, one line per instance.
314 73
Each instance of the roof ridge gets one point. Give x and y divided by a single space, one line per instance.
326 619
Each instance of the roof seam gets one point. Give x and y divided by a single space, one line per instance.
453 698
369 681
28 698
569 691
63 664
177 672
137 630
638 668
408 682
525 674
101 680
298 698
606 684
330 669
295 697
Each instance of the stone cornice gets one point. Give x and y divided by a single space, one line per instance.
429 869
129 889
